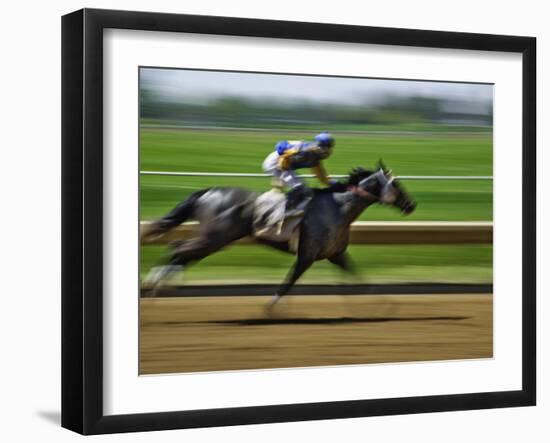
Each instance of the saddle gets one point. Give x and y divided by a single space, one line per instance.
270 222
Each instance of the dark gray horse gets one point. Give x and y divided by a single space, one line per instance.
226 215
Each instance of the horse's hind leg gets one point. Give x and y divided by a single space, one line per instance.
176 216
197 248
230 226
158 274
226 228
185 252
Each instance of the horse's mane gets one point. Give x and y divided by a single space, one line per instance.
354 177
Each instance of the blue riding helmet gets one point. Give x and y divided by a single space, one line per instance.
325 140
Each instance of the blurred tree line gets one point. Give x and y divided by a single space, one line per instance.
235 111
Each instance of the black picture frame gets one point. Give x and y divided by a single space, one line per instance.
82 218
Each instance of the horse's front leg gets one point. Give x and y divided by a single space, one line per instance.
308 250
302 264
344 262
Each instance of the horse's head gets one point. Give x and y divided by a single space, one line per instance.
383 186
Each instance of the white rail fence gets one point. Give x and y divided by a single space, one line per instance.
252 175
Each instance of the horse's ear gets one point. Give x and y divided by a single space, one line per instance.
381 165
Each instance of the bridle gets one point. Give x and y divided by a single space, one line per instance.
388 192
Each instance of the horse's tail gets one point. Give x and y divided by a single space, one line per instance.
175 217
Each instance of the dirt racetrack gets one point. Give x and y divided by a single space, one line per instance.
188 334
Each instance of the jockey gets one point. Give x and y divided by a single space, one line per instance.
289 156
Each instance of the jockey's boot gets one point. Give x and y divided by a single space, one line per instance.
294 198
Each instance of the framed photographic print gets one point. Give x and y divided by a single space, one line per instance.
269 221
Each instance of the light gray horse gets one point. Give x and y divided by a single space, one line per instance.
226 215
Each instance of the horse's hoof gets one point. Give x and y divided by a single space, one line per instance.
271 305
149 291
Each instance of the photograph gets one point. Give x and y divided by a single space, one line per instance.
269 221
296 221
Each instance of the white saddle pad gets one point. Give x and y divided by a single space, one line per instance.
269 222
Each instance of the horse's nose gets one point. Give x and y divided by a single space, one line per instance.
409 208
